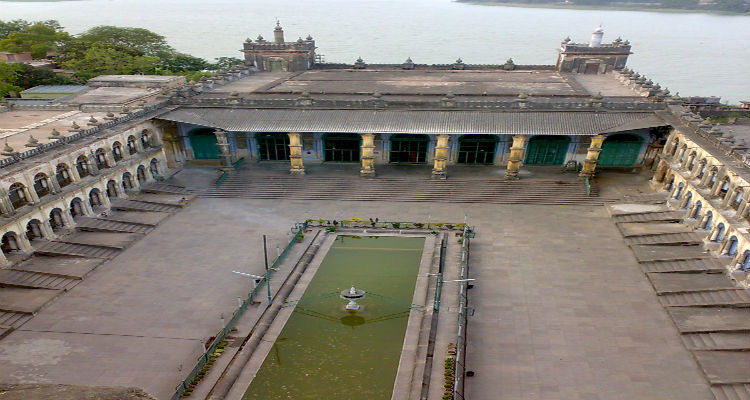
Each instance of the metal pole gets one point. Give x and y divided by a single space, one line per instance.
265 252
268 286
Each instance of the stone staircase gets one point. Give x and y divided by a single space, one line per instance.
106 225
665 216
407 189
711 265
735 297
667 238
135 205
74 249
35 280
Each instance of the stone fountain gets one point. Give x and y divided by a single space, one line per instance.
352 295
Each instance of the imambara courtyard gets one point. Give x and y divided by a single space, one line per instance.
307 230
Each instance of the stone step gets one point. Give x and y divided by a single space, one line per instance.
665 238
646 198
716 341
18 278
160 187
655 216
105 225
81 250
736 391
731 297
12 319
696 265
135 205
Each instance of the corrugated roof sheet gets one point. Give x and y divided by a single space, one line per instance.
451 122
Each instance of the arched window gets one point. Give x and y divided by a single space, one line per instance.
76 207
117 151
670 186
678 192
691 161
56 219
723 188
683 150
737 199
719 235
82 165
712 180
141 174
17 195
10 243
127 181
709 220
132 148
688 200
702 169
697 210
745 264
34 230
153 167
101 159
675 144
111 189
145 139
732 246
95 198
63 175
41 184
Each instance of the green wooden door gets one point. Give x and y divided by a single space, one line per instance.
547 150
204 146
620 151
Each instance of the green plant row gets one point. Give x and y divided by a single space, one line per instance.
206 367
450 372
359 223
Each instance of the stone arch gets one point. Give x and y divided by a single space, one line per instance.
708 220
683 150
696 212
141 174
153 167
745 261
62 173
112 191
82 166
722 188
670 183
145 138
76 207
10 242
41 184
737 198
701 169
17 195
675 145
56 220
719 232
34 230
691 160
95 198
730 247
688 200
100 156
117 151
131 143
678 191
127 181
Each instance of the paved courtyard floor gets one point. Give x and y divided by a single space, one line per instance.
562 309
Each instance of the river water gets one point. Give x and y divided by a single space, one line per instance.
694 54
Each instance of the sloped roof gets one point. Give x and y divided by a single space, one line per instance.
449 122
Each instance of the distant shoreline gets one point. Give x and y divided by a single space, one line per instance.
606 8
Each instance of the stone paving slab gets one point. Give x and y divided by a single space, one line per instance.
26 301
146 218
164 198
69 267
662 253
708 265
710 319
117 240
651 228
636 208
679 282
725 366
70 392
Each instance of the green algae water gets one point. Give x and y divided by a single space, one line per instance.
325 352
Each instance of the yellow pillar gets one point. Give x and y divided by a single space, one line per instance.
592 157
441 157
295 154
368 155
516 156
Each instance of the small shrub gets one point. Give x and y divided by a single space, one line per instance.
322 221
395 225
439 224
460 225
418 224
331 229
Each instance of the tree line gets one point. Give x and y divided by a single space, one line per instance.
735 6
101 50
